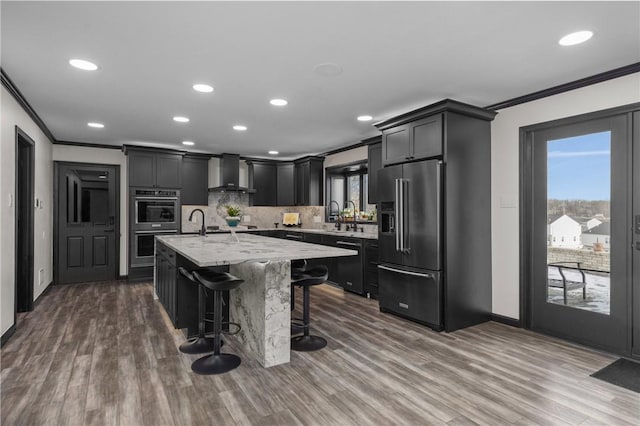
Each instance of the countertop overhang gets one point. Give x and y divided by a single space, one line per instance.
223 249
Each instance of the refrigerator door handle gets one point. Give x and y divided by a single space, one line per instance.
397 215
404 183
400 220
400 271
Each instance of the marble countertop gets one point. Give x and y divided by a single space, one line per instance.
221 249
351 234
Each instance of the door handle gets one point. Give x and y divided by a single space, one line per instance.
108 230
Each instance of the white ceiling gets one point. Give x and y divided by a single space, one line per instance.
395 56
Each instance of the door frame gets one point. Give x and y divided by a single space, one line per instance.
56 205
526 187
23 138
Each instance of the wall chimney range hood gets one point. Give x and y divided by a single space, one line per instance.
230 175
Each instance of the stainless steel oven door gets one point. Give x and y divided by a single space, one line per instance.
143 247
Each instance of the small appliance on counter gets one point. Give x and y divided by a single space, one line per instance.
291 219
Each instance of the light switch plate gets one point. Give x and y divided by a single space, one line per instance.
317 219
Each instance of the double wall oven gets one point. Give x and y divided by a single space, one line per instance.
152 212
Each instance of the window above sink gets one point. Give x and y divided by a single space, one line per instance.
347 194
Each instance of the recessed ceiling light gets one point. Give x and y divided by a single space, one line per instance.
365 118
83 65
575 38
273 152
204 88
240 127
328 69
180 119
278 102
95 125
188 143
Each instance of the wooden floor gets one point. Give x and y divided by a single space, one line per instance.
104 353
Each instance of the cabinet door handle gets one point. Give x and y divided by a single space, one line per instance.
297 237
345 243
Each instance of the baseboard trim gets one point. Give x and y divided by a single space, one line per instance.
39 298
506 320
7 335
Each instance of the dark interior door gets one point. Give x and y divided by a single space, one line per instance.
580 234
87 223
24 222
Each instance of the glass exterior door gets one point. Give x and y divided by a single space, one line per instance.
580 239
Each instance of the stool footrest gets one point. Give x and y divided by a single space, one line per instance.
234 324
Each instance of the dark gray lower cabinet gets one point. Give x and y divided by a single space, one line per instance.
346 271
178 295
166 279
371 269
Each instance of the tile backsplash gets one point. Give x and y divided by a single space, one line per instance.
262 217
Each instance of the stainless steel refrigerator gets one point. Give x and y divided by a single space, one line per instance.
410 241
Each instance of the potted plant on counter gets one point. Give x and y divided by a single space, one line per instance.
233 215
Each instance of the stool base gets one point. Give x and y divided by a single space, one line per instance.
197 345
307 343
215 364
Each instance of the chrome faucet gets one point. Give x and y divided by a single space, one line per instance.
203 229
337 225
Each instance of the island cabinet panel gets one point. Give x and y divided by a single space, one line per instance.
285 192
178 295
374 164
195 176
166 279
263 178
154 169
412 141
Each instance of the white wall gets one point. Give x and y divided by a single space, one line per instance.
104 156
12 114
505 172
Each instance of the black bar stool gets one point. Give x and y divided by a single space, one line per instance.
297 265
217 363
306 279
200 344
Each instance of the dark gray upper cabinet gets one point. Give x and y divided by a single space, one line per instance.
142 166
412 141
154 168
375 164
273 182
308 175
195 178
285 189
263 178
169 171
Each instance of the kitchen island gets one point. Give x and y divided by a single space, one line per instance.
262 304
